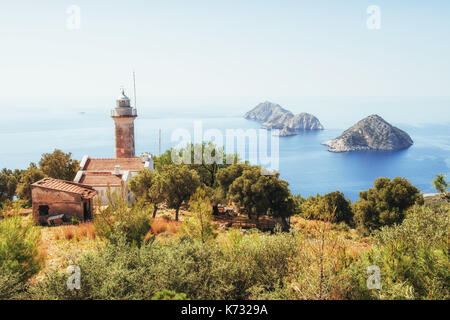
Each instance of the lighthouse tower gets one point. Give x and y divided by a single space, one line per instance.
123 115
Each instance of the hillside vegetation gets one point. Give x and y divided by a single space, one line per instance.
390 244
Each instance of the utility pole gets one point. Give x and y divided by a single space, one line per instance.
159 142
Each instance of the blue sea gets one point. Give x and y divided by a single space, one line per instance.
30 130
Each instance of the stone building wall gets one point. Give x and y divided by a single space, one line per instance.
58 202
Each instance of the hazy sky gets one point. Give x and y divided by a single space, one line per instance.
224 48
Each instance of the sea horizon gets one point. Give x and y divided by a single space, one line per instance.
305 163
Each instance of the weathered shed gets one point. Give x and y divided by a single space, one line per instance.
53 197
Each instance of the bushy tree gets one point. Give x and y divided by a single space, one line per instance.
120 219
298 200
8 184
140 185
339 206
226 177
19 247
199 224
262 194
177 183
59 165
332 207
205 158
440 183
243 193
385 204
31 175
280 201
145 187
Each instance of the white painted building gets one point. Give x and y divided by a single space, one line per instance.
112 173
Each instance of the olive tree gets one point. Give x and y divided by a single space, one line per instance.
28 177
333 207
8 183
59 165
385 203
177 183
262 194
145 186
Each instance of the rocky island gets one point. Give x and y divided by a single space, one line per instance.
273 116
371 133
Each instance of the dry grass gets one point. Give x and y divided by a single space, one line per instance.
17 212
312 230
75 232
59 251
163 225
160 225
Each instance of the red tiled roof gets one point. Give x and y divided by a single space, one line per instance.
101 179
86 192
128 164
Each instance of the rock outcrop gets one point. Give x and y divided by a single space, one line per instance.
371 133
273 116
285 132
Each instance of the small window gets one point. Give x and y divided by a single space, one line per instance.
43 210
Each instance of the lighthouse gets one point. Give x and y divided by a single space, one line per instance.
111 174
123 115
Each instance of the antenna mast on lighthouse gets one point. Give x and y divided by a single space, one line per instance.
134 84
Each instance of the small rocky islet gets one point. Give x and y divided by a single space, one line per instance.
273 116
371 133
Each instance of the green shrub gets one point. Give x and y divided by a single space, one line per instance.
259 263
332 207
412 257
19 256
256 262
198 225
19 247
12 286
121 271
169 295
119 218
385 204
